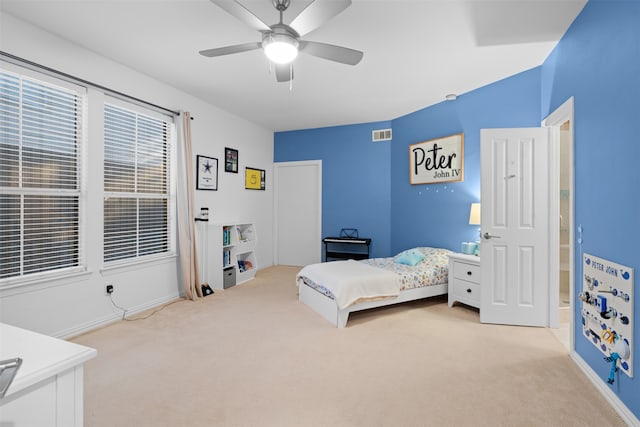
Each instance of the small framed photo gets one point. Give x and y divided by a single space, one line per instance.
230 160
254 179
207 174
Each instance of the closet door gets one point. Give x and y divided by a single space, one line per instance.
298 213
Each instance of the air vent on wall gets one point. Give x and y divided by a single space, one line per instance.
381 135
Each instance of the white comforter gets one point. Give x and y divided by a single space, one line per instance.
352 281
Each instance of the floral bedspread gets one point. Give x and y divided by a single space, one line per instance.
433 270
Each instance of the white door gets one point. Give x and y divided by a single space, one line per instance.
298 213
514 248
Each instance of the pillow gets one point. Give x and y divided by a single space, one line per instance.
409 257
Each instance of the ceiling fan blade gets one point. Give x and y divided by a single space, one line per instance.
242 13
227 50
316 14
331 52
284 72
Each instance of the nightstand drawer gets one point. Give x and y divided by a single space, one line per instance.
464 279
467 292
468 272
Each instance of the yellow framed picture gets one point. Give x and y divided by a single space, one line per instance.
254 179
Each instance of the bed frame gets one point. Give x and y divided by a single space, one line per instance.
328 308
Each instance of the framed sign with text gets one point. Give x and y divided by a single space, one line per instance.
437 160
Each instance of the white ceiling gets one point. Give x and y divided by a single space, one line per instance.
415 52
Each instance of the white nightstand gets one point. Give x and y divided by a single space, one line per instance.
464 279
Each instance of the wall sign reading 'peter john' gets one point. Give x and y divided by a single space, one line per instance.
437 160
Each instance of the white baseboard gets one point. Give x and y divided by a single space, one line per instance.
617 404
112 318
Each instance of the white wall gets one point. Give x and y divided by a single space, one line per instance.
73 305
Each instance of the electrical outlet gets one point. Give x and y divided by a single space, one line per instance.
109 289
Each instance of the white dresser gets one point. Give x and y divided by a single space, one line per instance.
47 390
464 279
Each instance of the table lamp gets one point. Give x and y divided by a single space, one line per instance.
474 219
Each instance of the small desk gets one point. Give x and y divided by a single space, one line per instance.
48 388
346 247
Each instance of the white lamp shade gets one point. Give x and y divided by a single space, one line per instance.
474 214
280 48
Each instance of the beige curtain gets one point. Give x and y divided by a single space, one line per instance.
186 227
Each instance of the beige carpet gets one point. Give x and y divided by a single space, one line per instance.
254 356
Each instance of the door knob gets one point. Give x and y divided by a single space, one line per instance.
490 236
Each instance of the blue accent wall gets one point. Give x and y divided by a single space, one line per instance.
598 63
356 177
438 214
366 185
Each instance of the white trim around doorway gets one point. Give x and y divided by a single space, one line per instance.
558 117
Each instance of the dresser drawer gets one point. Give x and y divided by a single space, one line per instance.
467 272
467 292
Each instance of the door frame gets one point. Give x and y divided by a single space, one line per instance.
276 168
554 120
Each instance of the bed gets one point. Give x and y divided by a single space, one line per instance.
336 289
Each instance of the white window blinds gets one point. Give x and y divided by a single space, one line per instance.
40 141
136 184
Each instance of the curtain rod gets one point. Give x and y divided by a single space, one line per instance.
73 79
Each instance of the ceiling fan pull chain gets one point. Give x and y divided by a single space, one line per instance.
291 77
269 61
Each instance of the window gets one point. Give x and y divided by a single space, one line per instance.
137 151
40 205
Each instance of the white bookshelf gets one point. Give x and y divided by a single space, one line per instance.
225 246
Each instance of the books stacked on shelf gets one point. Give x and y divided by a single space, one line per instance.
226 260
226 236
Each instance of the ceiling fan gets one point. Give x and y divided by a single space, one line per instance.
282 42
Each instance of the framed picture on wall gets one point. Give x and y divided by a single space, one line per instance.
254 179
437 160
207 173
230 160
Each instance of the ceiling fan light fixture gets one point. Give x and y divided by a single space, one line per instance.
281 42
280 48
